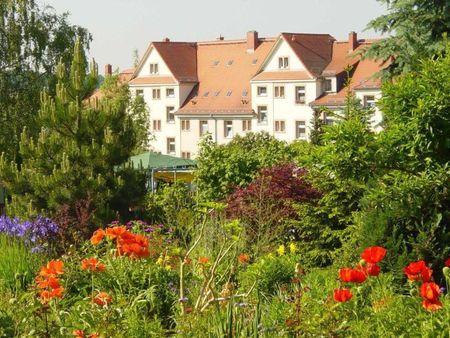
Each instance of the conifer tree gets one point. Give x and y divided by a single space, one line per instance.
80 146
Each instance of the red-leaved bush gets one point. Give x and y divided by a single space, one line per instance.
268 200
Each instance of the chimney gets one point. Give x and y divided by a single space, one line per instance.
352 41
220 38
166 40
252 41
108 70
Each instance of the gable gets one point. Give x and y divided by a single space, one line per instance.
152 56
282 49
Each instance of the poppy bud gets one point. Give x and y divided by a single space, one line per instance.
446 272
362 262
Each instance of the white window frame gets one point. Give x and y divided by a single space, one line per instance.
246 125
171 143
156 125
170 95
283 62
261 91
279 92
297 91
201 124
369 103
301 123
280 126
260 110
170 111
325 89
156 93
185 125
154 68
139 92
228 129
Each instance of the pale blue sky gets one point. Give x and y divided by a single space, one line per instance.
120 26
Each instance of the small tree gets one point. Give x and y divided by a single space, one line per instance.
78 151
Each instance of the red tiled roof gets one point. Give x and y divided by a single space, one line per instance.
314 50
143 80
224 72
181 58
284 75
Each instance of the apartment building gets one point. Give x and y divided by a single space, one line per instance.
230 87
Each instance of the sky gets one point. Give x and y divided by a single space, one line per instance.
119 27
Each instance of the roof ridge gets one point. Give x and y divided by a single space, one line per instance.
324 34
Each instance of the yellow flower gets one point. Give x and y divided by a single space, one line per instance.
160 261
168 267
292 248
281 250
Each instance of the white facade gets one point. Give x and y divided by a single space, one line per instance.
281 108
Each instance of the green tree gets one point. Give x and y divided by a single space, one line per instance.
33 41
221 168
415 28
78 151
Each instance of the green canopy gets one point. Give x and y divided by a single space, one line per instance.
149 161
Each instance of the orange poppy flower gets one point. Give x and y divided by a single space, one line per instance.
342 295
97 236
374 254
102 298
52 269
47 295
244 258
116 232
78 333
47 282
92 264
418 271
203 260
348 275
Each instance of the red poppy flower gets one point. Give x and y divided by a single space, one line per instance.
447 262
342 295
374 254
431 305
52 269
430 291
47 282
243 258
348 275
116 232
98 236
92 264
370 269
48 295
102 298
418 271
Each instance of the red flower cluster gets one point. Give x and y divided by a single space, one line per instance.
429 291
371 256
81 334
128 244
447 262
48 281
244 258
418 271
92 264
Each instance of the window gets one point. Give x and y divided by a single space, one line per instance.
262 91
246 125
262 114
171 145
139 92
280 126
203 127
327 85
216 93
244 93
205 94
185 125
186 155
300 130
215 62
283 62
369 101
156 125
228 129
170 92
230 62
300 95
154 68
170 113
229 93
254 61
156 94
279 92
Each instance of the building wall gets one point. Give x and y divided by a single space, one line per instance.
282 50
154 57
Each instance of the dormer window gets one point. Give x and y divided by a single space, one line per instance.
154 69
327 85
283 62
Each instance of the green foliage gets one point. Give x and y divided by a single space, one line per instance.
221 168
17 263
78 151
33 40
415 29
